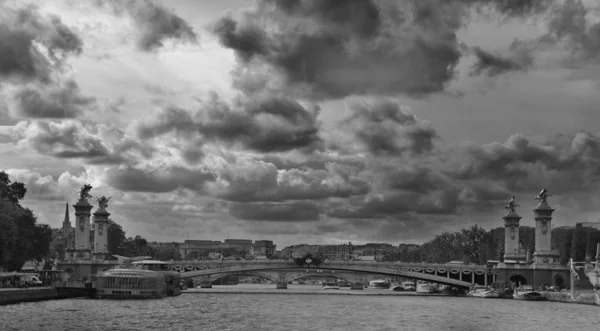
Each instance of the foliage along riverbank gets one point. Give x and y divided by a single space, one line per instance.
476 245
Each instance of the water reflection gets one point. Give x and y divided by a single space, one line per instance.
270 311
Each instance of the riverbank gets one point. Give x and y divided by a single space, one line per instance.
17 295
581 297
10 296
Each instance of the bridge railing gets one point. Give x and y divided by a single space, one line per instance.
333 263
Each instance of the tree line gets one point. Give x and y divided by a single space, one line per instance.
476 245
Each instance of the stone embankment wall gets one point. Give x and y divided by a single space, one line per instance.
17 295
581 298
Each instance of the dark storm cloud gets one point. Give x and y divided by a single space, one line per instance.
290 212
495 64
563 163
329 49
512 8
268 124
71 139
59 101
568 23
156 23
259 181
385 129
33 50
334 49
477 178
158 180
419 179
502 160
397 204
20 29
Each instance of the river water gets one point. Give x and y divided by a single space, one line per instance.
294 311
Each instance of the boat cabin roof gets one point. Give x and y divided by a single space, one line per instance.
149 262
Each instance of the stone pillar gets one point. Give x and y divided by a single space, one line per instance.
101 233
512 249
81 249
543 229
281 282
206 282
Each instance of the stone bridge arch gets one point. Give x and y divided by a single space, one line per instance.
380 270
265 275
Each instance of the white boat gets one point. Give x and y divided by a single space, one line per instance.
127 283
527 293
424 287
409 286
593 274
380 283
484 292
594 277
330 286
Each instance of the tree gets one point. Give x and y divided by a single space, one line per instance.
562 239
472 238
11 192
593 239
60 242
21 238
527 238
579 244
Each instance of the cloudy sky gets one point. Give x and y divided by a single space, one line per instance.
302 121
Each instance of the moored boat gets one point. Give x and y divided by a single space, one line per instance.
593 274
122 283
527 293
172 278
424 287
449 290
506 293
380 283
484 292
330 286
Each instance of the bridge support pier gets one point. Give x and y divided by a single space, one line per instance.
281 282
357 286
206 282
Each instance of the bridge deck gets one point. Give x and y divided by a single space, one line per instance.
410 270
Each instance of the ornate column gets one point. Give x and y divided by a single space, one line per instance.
512 249
81 248
543 229
101 229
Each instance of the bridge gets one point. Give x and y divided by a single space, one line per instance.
352 271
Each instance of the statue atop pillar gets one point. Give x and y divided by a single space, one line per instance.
103 202
542 197
84 193
512 205
544 254
512 250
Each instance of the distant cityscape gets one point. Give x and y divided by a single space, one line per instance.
266 249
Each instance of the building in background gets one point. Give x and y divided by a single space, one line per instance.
263 247
595 225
